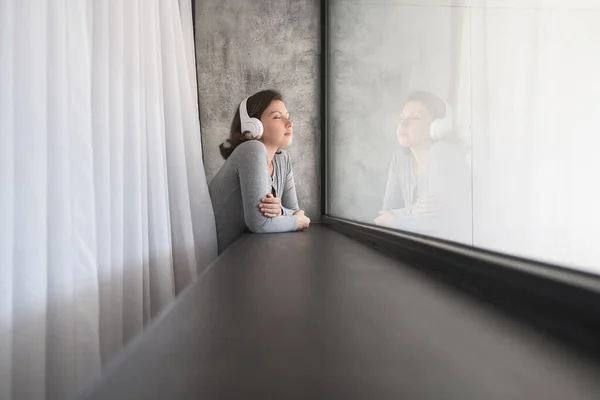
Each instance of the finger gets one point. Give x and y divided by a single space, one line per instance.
271 200
270 215
270 212
270 207
270 195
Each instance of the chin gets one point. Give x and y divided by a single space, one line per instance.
287 140
404 142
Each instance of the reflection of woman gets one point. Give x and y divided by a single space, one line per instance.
255 188
428 182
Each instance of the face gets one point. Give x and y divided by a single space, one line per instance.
278 126
413 129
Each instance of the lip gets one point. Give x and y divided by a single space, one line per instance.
289 133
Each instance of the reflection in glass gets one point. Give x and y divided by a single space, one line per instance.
427 188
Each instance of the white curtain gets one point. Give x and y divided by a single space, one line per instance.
104 207
536 129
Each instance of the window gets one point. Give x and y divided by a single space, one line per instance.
475 122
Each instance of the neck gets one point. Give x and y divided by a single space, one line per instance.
421 155
271 152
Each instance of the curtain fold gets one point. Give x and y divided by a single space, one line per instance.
7 196
103 201
535 120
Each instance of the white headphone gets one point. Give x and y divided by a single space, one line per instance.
251 125
442 127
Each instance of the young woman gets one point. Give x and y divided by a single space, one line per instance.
428 187
255 187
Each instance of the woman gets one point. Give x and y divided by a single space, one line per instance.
255 188
428 187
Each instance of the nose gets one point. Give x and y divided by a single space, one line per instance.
289 123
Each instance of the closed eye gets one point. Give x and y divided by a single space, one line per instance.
279 114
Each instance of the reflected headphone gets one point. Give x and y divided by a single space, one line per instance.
251 125
442 127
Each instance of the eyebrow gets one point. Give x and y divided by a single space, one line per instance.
273 112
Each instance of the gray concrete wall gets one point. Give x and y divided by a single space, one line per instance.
246 46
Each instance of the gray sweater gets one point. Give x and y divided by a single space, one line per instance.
448 178
237 189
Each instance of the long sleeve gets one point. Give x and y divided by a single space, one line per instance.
289 199
255 184
393 199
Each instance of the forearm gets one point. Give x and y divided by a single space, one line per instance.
392 198
400 212
272 225
289 211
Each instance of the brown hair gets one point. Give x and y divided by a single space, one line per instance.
433 104
256 105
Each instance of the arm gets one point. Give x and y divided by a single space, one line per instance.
253 173
289 199
393 200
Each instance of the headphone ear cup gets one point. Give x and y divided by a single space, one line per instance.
440 128
437 130
252 125
258 128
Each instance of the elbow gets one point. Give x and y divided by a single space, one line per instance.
257 229
257 226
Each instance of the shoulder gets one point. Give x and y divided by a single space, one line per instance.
446 151
284 161
401 157
250 147
250 151
283 156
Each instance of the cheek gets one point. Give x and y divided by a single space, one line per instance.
273 131
268 129
420 132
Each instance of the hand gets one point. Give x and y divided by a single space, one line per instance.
270 206
428 205
386 218
303 220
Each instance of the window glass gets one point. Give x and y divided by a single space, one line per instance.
472 121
